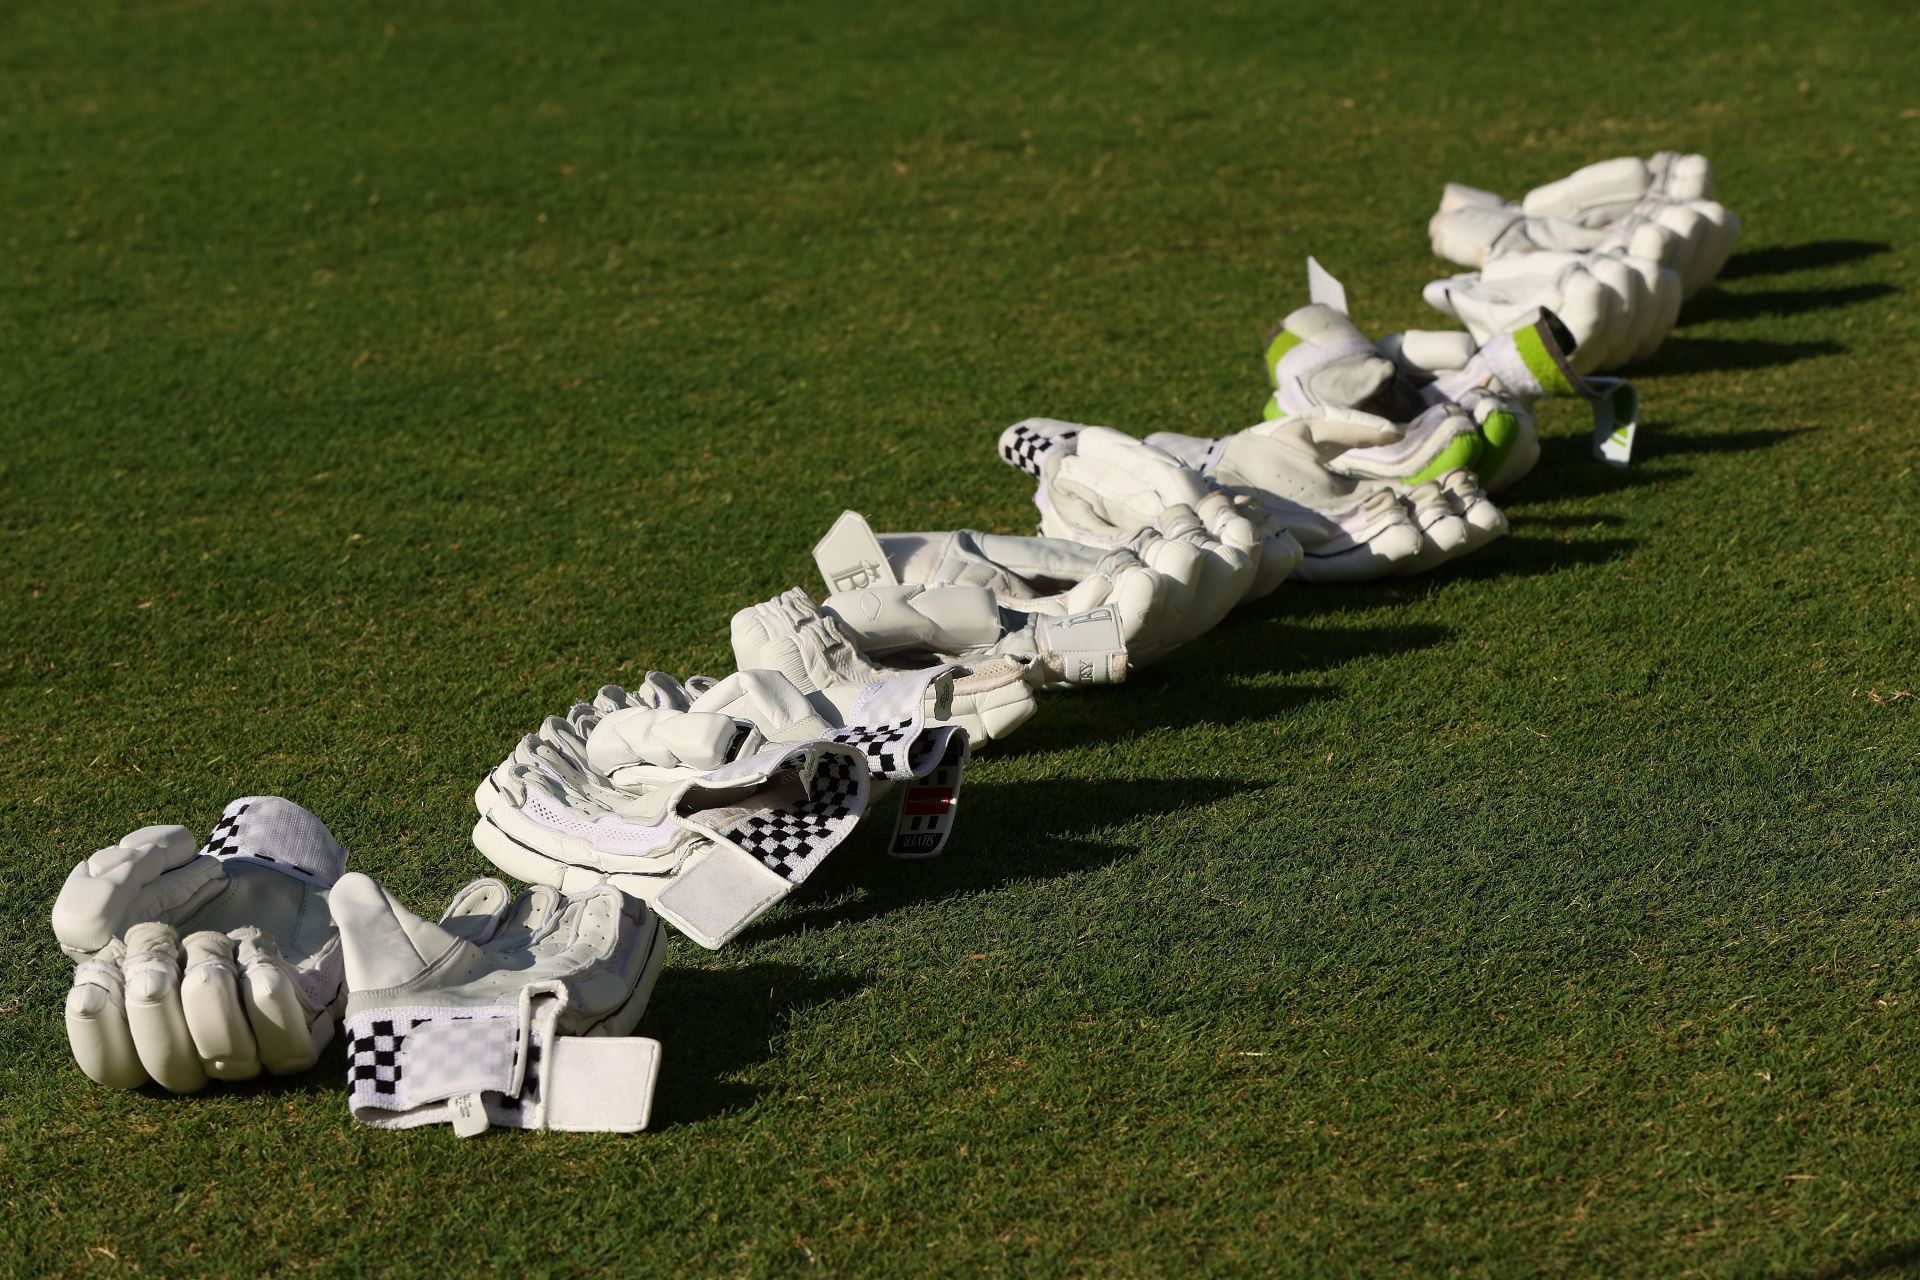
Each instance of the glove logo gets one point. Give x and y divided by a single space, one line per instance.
860 576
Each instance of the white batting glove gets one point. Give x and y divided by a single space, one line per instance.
1662 209
511 1012
196 962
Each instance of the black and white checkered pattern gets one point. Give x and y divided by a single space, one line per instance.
458 1053
300 839
1026 447
224 842
373 1059
793 841
529 1095
887 747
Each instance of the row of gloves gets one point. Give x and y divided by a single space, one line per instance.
237 957
711 800
703 803
1372 458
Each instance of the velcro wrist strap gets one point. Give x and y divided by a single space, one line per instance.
480 1068
276 832
405 1063
600 1084
1087 648
720 891
1026 444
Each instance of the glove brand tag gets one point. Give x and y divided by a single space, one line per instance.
1091 645
850 556
927 806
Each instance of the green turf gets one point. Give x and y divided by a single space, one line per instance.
379 378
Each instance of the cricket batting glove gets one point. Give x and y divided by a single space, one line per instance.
714 803
1662 209
510 1012
1318 358
1104 488
1075 612
815 650
198 962
1618 309
1352 529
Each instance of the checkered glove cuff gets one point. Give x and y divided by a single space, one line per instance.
404 1064
1026 444
280 834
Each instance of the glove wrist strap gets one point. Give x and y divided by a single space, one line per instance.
412 1065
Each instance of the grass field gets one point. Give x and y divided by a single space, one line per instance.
380 378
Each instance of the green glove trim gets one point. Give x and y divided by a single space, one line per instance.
1464 451
1277 346
1543 363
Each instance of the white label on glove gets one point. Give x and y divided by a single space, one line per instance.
1323 289
1616 418
926 808
469 1115
850 557
1090 646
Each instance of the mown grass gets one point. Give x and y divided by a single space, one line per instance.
379 378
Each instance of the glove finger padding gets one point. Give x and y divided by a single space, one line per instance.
504 1015
1662 208
791 634
146 1006
155 1015
210 997
1100 487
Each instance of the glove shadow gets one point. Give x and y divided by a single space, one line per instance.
1680 354
708 1053
863 884
1715 303
1783 259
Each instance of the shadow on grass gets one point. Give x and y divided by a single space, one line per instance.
1780 259
1602 520
1706 355
1568 469
1259 640
1009 833
1719 304
1895 1260
718 1022
1521 556
1515 555
1682 443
